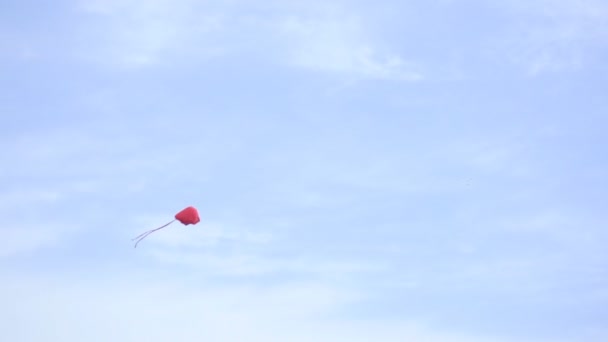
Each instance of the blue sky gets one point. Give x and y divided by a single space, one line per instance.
421 171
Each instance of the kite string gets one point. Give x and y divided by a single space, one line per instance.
146 233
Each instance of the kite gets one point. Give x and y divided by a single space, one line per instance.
187 216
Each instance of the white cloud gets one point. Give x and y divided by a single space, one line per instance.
128 309
553 35
24 197
26 226
203 234
250 264
581 9
233 251
147 33
52 178
307 35
20 239
340 44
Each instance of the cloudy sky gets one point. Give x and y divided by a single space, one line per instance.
420 171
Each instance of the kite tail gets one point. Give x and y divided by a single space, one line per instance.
144 234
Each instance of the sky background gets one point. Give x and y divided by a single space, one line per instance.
418 171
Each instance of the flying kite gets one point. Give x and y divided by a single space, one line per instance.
187 216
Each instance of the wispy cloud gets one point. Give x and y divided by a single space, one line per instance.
19 238
312 36
555 36
258 264
339 44
413 207
166 309
204 234
223 251
148 33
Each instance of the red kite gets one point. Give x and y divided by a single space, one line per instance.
187 216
